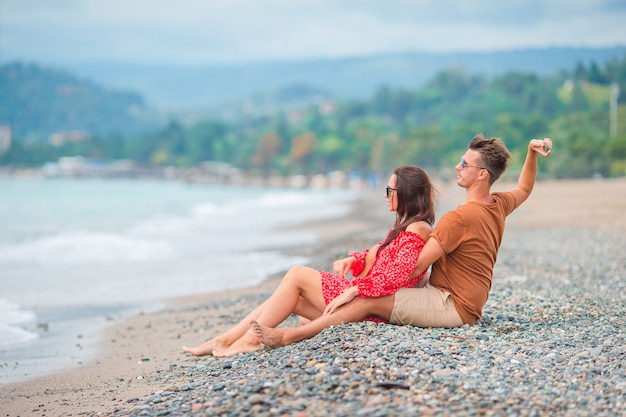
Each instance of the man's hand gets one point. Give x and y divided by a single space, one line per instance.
541 146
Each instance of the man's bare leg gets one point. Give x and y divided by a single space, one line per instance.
355 310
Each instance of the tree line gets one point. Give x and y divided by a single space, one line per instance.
429 126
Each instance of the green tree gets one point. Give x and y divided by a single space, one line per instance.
267 150
205 140
302 148
329 151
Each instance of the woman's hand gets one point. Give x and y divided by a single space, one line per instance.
342 266
344 298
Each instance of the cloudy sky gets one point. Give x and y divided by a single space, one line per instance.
201 32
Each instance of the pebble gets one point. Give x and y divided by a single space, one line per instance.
552 341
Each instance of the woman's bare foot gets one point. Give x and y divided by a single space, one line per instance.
245 344
268 336
207 348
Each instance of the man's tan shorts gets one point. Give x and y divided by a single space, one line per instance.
425 307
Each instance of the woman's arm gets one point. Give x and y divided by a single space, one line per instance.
365 267
395 263
390 272
393 268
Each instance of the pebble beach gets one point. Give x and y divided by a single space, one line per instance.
552 340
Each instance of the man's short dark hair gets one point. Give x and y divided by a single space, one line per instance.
493 154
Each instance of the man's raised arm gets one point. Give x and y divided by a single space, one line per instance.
528 175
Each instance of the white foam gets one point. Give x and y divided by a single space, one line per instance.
11 317
85 247
11 313
207 210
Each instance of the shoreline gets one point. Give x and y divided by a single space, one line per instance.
64 323
114 342
137 354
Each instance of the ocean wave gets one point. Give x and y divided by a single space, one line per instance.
11 316
13 335
85 247
245 217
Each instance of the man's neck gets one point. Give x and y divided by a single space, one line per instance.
478 194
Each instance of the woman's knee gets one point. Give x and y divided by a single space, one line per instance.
298 273
299 269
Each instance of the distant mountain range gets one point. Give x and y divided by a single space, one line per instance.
40 104
188 87
104 99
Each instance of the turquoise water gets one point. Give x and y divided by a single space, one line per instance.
77 253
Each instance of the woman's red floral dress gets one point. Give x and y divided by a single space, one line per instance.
391 270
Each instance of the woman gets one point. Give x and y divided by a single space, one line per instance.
378 271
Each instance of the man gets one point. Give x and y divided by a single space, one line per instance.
462 250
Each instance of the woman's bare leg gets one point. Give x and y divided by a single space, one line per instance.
224 340
299 292
356 310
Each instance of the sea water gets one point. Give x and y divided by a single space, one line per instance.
76 254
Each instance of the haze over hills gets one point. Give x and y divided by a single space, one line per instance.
104 99
185 87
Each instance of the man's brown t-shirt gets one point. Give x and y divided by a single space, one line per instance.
470 235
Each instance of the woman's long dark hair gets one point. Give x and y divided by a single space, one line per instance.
416 199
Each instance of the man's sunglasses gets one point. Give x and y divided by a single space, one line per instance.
465 165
